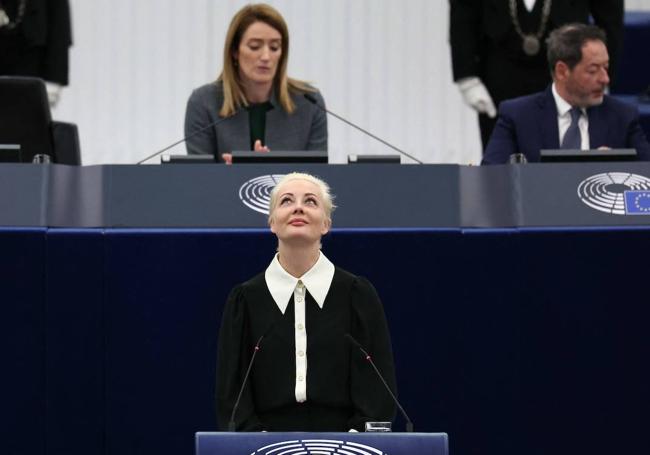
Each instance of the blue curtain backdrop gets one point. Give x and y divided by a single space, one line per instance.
512 341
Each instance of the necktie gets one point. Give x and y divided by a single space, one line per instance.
572 139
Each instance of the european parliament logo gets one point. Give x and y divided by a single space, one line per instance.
318 446
256 193
617 193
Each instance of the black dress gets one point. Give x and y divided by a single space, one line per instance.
343 391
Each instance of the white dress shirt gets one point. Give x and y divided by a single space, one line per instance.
529 4
282 286
564 119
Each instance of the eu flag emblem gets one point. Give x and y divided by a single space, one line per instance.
637 202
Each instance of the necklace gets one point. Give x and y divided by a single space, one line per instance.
5 21
530 42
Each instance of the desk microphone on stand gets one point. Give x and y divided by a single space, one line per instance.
409 424
200 130
313 100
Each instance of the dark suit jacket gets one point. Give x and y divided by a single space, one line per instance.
481 29
528 124
305 129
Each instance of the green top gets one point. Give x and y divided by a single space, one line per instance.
257 121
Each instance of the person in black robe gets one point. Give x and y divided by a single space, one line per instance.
498 47
35 39
307 375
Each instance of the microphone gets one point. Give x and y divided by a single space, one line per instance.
313 100
200 130
231 422
409 424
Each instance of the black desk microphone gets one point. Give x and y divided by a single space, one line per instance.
409 424
231 423
313 100
200 130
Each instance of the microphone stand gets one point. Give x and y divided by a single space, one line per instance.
215 123
409 424
313 100
231 423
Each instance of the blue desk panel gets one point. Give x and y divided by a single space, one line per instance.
321 443
75 365
500 336
22 341
372 196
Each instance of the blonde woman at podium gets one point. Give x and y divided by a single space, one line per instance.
302 318
254 105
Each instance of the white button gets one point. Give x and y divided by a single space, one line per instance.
299 299
300 326
301 353
300 378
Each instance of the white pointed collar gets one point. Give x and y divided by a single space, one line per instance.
317 280
529 4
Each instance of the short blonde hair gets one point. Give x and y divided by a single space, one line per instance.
324 188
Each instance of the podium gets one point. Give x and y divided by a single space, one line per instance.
223 443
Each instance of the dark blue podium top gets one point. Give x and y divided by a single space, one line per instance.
322 443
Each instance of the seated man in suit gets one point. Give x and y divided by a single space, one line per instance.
574 112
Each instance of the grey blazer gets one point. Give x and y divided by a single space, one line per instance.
305 129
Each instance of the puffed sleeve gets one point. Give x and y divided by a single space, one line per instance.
371 401
233 355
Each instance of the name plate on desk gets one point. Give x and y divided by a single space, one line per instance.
578 156
187 159
217 443
10 153
279 156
